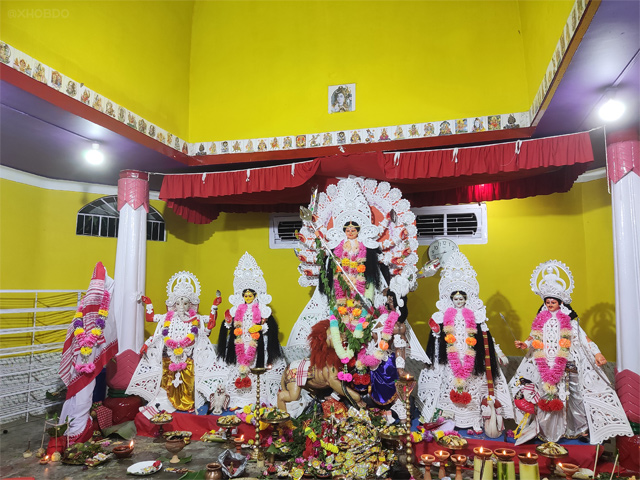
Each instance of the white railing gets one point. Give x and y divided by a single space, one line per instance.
29 369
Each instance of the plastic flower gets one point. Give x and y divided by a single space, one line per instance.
167 323
191 336
537 344
237 332
104 313
565 342
449 338
78 331
194 323
178 351
96 331
86 350
471 341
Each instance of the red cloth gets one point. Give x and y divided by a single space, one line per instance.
105 417
120 371
198 425
434 177
124 409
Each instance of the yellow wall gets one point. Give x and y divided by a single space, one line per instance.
573 227
542 24
226 70
134 53
412 61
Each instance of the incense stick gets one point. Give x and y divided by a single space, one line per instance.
614 466
596 462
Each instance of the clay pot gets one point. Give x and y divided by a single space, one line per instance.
122 451
214 471
174 446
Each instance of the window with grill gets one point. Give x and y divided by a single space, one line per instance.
100 219
282 230
466 224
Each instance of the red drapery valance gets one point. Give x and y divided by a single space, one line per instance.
435 177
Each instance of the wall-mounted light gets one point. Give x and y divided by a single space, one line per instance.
612 109
94 156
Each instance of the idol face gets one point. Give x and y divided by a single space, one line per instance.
459 301
182 305
249 297
351 232
552 304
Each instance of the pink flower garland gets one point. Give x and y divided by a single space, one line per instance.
181 343
245 356
551 374
371 361
460 370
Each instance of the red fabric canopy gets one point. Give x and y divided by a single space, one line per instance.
435 177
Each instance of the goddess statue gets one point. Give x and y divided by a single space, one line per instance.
177 370
460 383
249 338
359 242
559 388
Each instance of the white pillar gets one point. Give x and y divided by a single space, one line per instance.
623 159
131 258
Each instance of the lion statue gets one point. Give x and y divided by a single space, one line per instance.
317 372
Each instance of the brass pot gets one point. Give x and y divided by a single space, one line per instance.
174 446
214 471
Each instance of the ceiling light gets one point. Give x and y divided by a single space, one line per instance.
94 156
612 109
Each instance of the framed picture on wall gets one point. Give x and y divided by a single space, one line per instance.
342 98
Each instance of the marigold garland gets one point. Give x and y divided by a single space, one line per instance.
177 346
245 355
461 369
88 340
551 374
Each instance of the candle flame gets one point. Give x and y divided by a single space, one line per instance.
242 438
560 465
480 449
131 444
46 457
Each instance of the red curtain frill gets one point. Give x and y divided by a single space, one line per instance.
435 177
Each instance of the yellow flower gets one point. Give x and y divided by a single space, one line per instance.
255 328
96 331
439 434
350 303
178 351
78 331
78 315
86 350
167 324
353 264
249 418
247 409
104 313
346 262
356 312
191 336
166 339
416 437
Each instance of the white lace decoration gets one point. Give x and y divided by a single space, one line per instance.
248 275
183 284
546 281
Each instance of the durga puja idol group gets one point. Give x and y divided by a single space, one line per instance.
358 250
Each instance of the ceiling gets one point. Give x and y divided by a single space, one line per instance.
39 137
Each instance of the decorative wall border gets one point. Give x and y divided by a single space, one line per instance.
27 65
